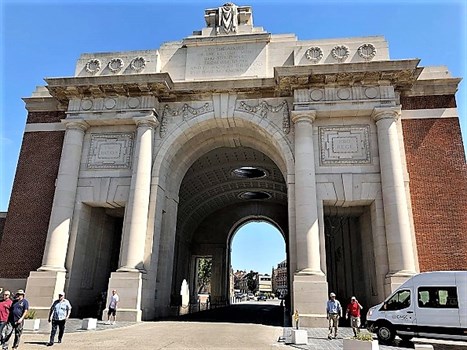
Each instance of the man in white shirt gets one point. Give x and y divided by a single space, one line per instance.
334 312
113 307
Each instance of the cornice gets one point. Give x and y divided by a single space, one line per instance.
433 87
64 89
402 74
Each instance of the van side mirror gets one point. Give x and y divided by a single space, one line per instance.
385 305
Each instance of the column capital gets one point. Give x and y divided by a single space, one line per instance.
300 116
149 121
75 124
386 113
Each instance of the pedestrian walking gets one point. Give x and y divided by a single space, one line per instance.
353 312
114 299
5 305
18 311
58 314
333 312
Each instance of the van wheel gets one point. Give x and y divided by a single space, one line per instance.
385 333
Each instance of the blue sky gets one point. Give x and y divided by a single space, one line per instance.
257 246
45 38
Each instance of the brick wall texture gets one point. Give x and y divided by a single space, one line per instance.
25 230
2 225
438 188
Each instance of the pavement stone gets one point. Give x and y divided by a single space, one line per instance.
198 335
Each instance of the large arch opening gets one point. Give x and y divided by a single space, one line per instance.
222 189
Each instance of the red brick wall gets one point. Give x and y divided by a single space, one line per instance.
2 225
438 186
25 230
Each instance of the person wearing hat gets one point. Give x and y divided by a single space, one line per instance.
353 312
18 311
58 314
333 312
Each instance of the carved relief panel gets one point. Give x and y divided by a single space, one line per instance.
110 151
344 145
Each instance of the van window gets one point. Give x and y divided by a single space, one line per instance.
437 297
399 300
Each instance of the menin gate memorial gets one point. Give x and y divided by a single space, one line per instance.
134 168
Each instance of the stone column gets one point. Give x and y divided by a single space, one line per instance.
309 279
396 214
306 209
50 277
136 214
128 279
64 198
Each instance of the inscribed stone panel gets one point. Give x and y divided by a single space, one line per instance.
110 151
344 145
232 60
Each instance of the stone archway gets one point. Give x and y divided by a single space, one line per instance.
186 220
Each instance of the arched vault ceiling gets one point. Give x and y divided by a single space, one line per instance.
209 184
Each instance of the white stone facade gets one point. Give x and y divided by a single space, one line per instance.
145 183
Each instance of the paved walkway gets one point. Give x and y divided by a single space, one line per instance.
196 335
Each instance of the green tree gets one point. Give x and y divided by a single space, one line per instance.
204 274
251 281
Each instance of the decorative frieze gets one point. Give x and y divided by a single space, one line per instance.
111 104
262 109
110 151
185 111
114 65
344 94
344 145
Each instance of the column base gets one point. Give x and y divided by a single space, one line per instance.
310 294
129 289
42 288
393 281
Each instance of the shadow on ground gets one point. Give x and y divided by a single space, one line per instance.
269 315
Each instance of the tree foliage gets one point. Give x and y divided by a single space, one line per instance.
251 281
204 273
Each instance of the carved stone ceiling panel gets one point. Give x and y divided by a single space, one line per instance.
210 184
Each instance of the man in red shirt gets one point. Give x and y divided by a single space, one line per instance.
353 311
4 312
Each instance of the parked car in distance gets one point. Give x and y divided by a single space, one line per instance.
261 297
428 305
251 296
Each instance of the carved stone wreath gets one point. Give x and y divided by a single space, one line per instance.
367 51
138 64
115 64
93 66
314 54
340 53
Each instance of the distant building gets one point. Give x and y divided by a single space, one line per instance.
280 282
264 284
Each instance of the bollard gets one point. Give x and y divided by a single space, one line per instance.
89 323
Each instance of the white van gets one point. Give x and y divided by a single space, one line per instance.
428 305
